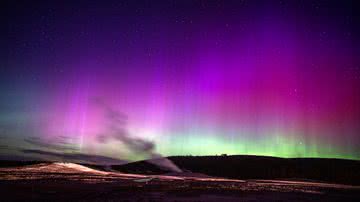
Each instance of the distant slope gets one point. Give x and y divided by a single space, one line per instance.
53 167
259 167
58 167
139 167
38 164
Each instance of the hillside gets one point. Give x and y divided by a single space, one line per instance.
259 167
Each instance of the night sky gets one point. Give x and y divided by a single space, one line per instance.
125 79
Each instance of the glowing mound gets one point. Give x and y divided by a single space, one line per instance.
60 168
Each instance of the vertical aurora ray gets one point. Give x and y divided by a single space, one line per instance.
280 79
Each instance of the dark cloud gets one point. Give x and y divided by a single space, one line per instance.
77 157
9 157
4 147
59 143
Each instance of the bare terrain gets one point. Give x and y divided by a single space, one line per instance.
74 182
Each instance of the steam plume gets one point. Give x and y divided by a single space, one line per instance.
116 128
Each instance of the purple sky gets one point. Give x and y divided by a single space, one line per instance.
277 78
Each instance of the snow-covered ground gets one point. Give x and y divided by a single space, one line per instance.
81 181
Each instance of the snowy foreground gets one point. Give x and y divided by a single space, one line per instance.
68 181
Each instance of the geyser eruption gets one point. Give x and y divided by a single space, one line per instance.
116 128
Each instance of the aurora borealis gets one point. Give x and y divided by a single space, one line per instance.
276 78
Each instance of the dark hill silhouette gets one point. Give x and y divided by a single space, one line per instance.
259 167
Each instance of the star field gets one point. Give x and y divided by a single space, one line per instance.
277 78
